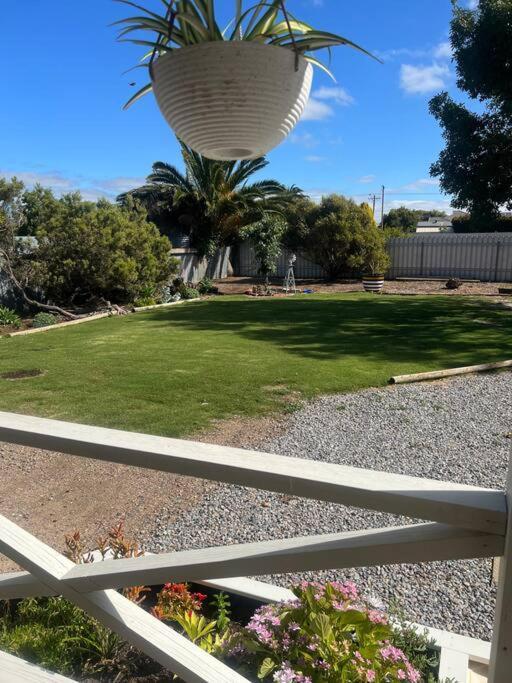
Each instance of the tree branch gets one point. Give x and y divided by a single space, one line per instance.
26 298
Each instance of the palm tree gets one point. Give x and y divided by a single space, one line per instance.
212 199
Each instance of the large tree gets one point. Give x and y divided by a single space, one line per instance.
476 164
211 200
339 235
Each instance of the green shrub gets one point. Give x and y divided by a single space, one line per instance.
189 293
206 286
266 238
90 251
144 301
44 320
57 635
342 237
184 289
9 317
329 633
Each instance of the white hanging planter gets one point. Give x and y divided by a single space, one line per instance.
232 99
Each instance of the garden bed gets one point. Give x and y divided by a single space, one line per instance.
238 285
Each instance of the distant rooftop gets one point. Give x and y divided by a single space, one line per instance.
435 224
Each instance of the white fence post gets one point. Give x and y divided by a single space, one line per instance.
500 670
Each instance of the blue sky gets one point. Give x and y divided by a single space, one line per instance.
63 87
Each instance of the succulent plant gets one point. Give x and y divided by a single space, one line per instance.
190 22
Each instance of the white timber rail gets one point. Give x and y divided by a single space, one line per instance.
456 521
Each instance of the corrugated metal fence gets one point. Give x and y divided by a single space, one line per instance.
193 269
478 256
246 264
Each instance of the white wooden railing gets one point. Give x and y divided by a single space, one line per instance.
464 522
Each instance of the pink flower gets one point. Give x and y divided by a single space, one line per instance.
392 653
370 675
339 606
412 674
377 617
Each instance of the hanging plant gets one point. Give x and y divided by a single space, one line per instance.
234 93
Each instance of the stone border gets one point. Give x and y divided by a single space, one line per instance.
34 330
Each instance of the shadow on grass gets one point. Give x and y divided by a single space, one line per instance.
415 329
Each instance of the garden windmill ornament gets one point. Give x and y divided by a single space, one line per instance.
232 94
289 281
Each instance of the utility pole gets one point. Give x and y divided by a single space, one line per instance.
382 215
373 199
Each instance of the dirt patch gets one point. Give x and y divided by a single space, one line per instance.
50 494
21 374
238 285
242 432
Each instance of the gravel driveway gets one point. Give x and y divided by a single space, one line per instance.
455 430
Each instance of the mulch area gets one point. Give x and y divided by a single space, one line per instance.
238 285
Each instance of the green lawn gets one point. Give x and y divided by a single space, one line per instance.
171 371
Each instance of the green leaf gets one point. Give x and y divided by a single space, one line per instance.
143 9
266 668
320 65
322 626
143 91
266 21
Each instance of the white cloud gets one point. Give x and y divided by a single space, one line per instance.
423 79
313 158
440 205
316 194
306 140
394 53
367 179
319 106
336 94
421 184
317 111
118 185
49 179
90 188
443 50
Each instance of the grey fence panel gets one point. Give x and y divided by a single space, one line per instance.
247 264
193 269
478 256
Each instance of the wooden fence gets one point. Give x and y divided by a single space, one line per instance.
464 522
478 256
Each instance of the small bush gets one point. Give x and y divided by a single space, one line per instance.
328 633
44 320
144 301
206 286
184 289
9 317
189 293
453 283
